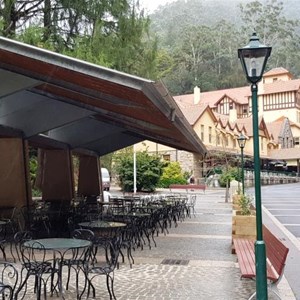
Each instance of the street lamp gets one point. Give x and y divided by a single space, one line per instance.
254 57
242 141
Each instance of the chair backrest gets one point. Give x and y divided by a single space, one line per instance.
276 251
83 234
74 256
9 214
19 238
33 257
108 250
9 279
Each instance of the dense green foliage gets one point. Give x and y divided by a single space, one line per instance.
148 171
191 42
33 165
245 202
231 173
109 33
202 48
172 174
106 161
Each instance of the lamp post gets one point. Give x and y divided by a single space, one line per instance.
254 57
242 141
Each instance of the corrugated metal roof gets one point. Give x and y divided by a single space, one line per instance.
54 100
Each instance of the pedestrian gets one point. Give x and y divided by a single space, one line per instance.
192 180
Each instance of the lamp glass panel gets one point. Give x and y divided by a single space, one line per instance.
254 61
242 141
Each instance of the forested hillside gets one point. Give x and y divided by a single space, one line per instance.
185 43
198 40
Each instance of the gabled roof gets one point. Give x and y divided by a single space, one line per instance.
274 129
194 112
280 86
242 124
55 101
239 95
277 71
225 96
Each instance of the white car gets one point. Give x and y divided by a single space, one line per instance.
105 179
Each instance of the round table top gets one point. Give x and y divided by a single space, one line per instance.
57 243
102 224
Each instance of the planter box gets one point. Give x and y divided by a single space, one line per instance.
243 226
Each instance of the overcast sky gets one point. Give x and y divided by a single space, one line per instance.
151 5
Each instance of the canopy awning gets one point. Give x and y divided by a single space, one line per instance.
55 101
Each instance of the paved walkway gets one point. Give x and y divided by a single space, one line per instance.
202 242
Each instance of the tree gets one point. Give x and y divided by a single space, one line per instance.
204 56
273 29
148 170
110 33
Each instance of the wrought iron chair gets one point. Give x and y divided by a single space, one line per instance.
105 265
8 227
190 205
9 278
19 238
77 258
2 241
35 263
127 243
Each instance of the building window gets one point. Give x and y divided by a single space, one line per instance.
218 138
209 134
226 141
262 144
296 141
202 133
279 101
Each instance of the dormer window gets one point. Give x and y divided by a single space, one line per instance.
275 79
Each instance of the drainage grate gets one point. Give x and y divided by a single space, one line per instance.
181 262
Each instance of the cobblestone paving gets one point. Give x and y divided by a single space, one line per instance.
212 272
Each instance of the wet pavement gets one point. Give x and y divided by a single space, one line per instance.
198 262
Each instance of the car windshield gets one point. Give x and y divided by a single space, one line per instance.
105 173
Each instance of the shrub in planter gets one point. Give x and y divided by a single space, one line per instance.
245 202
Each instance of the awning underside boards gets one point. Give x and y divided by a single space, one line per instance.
59 102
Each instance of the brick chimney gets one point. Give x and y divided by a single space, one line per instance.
196 95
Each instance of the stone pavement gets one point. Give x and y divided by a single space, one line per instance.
202 242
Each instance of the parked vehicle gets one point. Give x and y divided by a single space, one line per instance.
105 179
